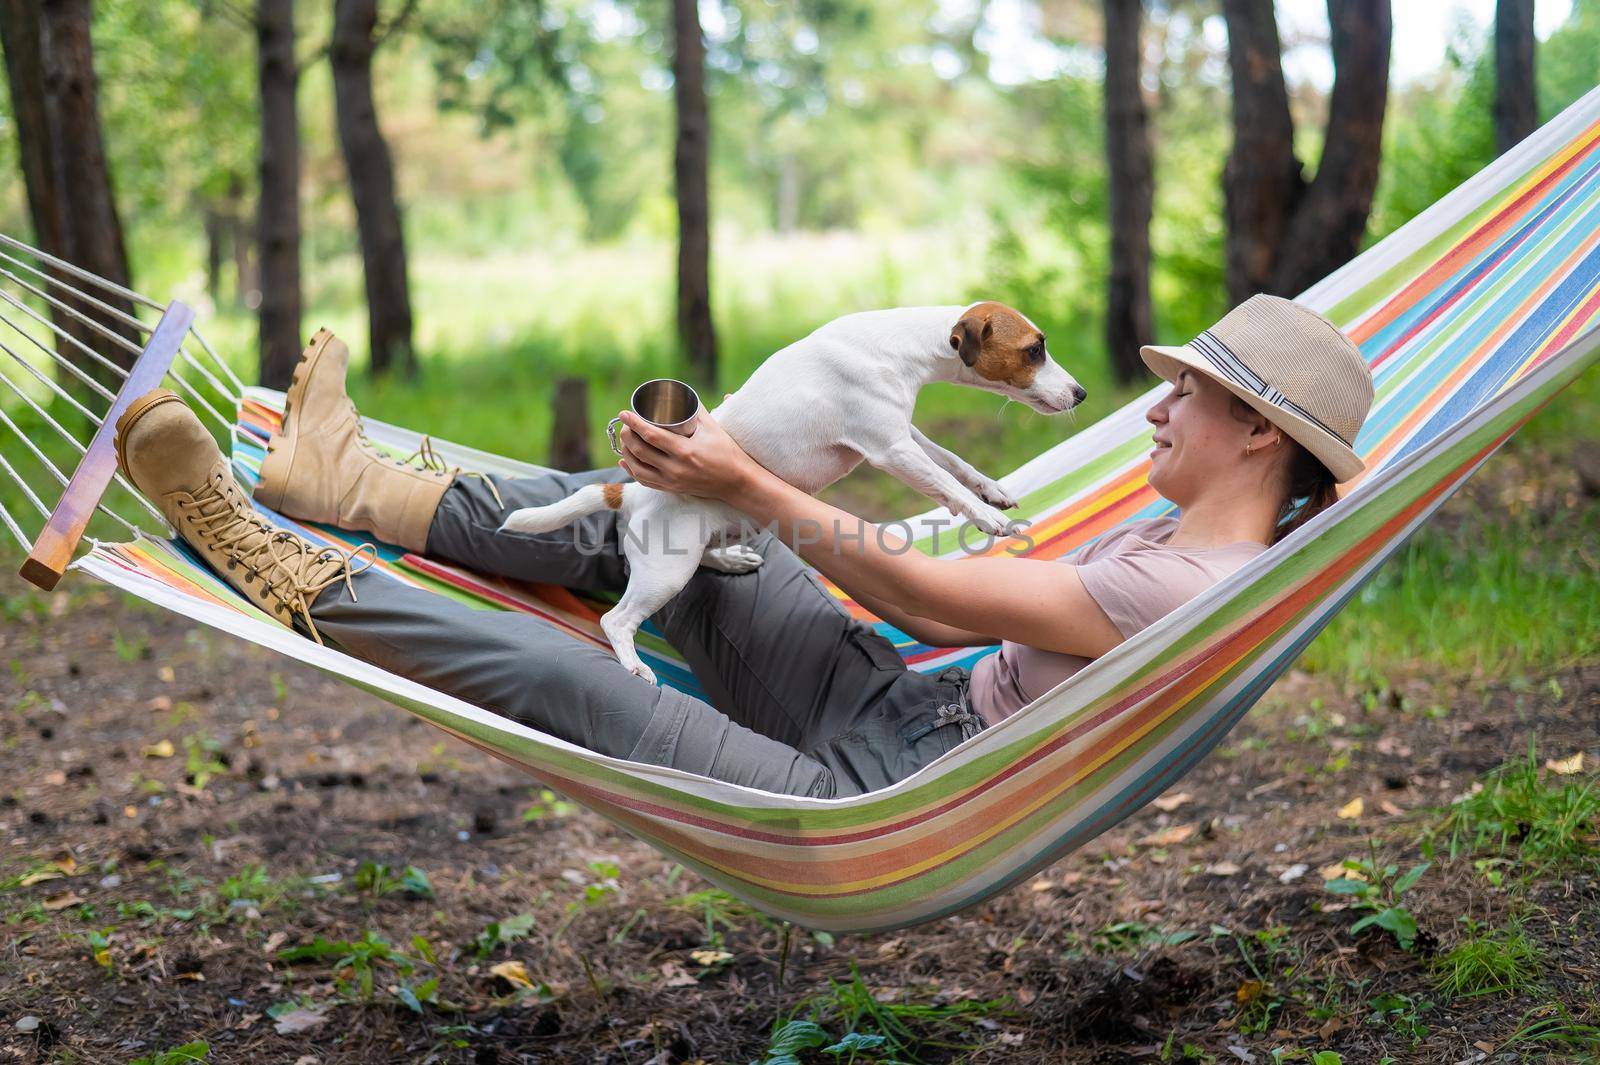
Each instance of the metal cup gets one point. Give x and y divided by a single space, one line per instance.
665 403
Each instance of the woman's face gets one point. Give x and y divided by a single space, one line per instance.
1199 442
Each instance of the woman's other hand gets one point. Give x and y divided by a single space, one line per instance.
708 464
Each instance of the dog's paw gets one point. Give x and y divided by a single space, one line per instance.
644 673
991 493
989 520
733 558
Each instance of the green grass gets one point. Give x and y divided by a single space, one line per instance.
1545 823
1489 960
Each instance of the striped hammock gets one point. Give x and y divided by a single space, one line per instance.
1472 317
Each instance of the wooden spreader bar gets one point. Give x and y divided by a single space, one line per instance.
52 551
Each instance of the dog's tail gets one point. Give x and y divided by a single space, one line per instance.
585 501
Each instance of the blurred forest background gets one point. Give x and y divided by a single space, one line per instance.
519 209
489 198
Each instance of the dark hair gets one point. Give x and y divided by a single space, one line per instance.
1309 479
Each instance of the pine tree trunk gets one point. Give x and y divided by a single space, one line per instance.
1285 234
1261 180
569 434
695 332
1132 191
278 208
1516 110
366 156
55 101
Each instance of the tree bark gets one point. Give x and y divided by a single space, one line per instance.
1285 233
366 156
696 334
1516 107
1130 169
55 98
278 207
569 436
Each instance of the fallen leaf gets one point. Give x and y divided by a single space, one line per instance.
160 704
62 901
1169 803
1223 869
513 973
1249 991
1337 869
1390 808
1352 809
167 674
710 957
39 876
307 1059
161 749
297 1021
28 1023
1169 836
1485 1046
274 941
1293 873
1566 767
677 976
1241 1053
55 778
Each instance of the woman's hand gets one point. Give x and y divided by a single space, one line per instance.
708 464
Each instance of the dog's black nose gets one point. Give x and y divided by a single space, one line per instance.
1078 393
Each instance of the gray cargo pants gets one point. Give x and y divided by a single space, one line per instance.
804 699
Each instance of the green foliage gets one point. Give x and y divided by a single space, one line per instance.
502 933
363 958
547 804
795 1036
1516 813
377 879
1401 1014
1379 889
1489 960
202 759
197 1051
897 1029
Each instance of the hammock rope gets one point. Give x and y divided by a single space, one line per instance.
1472 317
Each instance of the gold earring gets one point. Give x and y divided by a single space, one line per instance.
1248 448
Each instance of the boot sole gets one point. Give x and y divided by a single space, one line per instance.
288 433
130 417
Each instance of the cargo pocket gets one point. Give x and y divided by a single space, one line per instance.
879 651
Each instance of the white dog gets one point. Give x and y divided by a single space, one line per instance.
810 414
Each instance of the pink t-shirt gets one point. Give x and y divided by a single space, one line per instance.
1137 580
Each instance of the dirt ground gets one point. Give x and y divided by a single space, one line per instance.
179 808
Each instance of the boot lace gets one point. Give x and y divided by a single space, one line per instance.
292 570
425 456
432 460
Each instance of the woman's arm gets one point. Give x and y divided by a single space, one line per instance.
1030 601
923 630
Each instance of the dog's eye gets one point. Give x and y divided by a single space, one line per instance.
1036 351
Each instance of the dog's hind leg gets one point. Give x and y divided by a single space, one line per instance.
562 512
663 546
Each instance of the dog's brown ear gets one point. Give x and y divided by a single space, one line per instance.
968 336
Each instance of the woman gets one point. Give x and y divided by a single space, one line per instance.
803 698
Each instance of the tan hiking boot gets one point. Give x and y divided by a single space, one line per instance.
164 451
321 467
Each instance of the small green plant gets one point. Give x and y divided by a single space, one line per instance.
905 1027
1127 937
1380 889
203 759
377 879
502 933
797 1035
1487 961
719 909
130 648
547 804
199 1050
1401 1014
1517 814
249 885
362 958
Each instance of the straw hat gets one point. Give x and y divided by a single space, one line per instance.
1292 365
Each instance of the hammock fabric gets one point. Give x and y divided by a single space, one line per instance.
1472 317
